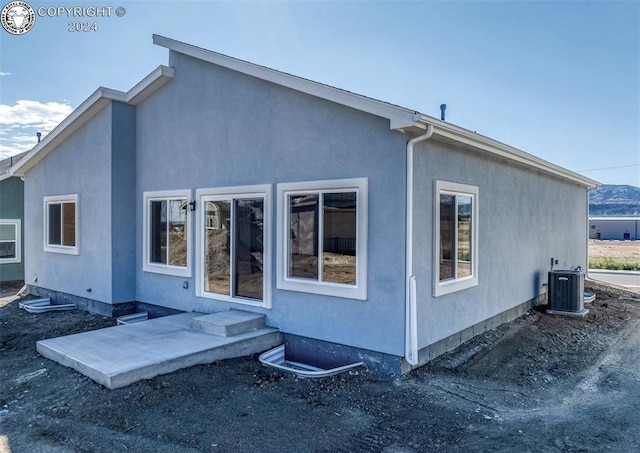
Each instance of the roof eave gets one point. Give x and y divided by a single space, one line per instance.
87 110
399 117
450 132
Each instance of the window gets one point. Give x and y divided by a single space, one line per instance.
234 244
166 241
61 224
456 237
10 235
322 233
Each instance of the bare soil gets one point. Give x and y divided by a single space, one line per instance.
616 250
542 383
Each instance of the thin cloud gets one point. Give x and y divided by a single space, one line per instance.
22 120
2 74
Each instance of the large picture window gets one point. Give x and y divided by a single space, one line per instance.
234 244
323 237
166 233
10 243
61 224
456 226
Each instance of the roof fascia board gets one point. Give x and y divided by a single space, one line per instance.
399 117
87 110
477 141
5 176
150 84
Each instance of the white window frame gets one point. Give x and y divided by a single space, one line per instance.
455 284
17 224
57 248
285 190
159 268
263 191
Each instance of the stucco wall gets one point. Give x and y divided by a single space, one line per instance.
12 207
123 202
525 218
211 127
80 165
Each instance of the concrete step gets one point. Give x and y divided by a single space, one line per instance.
229 323
118 356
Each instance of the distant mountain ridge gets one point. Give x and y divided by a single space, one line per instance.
614 200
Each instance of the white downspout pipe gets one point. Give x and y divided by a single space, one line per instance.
411 304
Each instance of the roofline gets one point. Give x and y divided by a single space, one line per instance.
399 117
451 132
4 176
87 110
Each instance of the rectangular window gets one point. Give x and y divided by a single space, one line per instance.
323 237
455 251
61 224
166 232
234 237
10 241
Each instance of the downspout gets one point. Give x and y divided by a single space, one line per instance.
586 272
411 304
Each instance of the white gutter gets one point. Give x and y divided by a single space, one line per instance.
450 132
586 267
411 304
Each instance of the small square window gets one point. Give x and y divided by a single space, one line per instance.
10 241
61 224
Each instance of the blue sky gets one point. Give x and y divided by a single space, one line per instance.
560 79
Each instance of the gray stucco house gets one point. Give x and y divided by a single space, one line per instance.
11 222
360 228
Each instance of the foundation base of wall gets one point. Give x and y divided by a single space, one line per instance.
450 343
84 303
312 350
102 308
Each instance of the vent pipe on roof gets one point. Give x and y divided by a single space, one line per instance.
443 107
39 134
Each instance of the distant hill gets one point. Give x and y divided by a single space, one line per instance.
614 200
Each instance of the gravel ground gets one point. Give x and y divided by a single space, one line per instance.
541 383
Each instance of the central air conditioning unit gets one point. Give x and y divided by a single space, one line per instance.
566 293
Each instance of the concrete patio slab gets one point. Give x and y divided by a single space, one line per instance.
118 356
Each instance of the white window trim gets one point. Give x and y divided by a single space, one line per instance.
459 284
229 193
357 291
17 223
147 265
66 249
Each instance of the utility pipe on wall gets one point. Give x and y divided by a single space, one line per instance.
411 304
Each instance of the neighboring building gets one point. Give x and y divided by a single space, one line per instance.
359 228
618 228
11 222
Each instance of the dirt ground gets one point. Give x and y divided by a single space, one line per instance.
616 250
541 383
